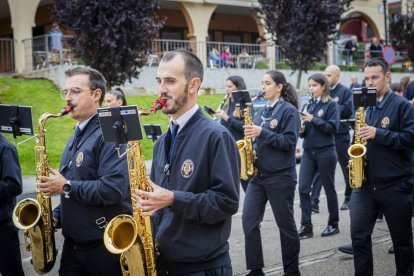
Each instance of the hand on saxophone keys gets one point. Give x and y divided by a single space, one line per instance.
150 202
52 184
367 132
252 131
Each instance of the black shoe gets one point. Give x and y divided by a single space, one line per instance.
391 250
345 205
305 232
255 272
315 208
330 231
347 249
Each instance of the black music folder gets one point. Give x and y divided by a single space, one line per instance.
153 131
242 98
16 119
120 124
364 96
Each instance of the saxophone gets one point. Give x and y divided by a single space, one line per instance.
132 236
357 152
35 216
245 147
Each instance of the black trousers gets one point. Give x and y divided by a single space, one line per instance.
396 204
342 143
94 259
221 271
280 192
10 258
322 161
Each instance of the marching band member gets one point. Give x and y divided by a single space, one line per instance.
389 132
276 133
319 155
196 168
231 115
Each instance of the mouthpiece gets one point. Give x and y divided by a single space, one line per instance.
65 110
158 104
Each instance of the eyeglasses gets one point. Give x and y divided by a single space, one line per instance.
72 92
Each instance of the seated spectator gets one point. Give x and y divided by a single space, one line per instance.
375 50
227 58
354 83
244 59
214 57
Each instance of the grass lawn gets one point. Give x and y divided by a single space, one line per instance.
43 96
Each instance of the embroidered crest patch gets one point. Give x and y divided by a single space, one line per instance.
187 168
79 159
320 112
385 122
273 123
336 99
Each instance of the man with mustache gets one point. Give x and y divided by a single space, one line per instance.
194 176
92 181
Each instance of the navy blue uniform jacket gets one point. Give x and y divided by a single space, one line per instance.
204 177
10 178
100 186
343 97
276 145
324 125
234 125
390 155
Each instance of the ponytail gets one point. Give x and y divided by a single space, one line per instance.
290 95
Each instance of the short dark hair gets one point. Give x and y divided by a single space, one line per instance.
96 79
397 87
193 66
321 79
238 82
119 95
377 62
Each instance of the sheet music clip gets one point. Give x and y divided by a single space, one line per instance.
120 124
242 98
364 97
153 131
16 120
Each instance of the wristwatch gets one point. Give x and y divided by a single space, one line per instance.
66 189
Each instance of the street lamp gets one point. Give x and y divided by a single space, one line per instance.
384 2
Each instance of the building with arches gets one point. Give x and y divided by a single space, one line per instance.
201 24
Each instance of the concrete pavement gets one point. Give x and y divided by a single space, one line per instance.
318 256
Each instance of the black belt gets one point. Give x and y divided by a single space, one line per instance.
5 221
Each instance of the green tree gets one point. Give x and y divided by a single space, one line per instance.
112 36
302 29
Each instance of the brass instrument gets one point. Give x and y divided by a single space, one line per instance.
35 216
132 236
245 147
357 151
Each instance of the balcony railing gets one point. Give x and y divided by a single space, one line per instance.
45 51
6 55
39 53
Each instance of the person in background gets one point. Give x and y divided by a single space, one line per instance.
10 188
194 176
405 81
375 50
409 92
389 132
230 115
92 181
321 122
354 83
343 98
115 97
214 57
351 48
244 59
276 133
55 38
226 58
397 88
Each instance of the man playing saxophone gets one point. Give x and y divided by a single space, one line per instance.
194 177
92 181
389 132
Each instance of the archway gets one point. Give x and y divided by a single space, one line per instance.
359 24
6 39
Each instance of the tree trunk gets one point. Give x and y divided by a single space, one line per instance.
299 78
